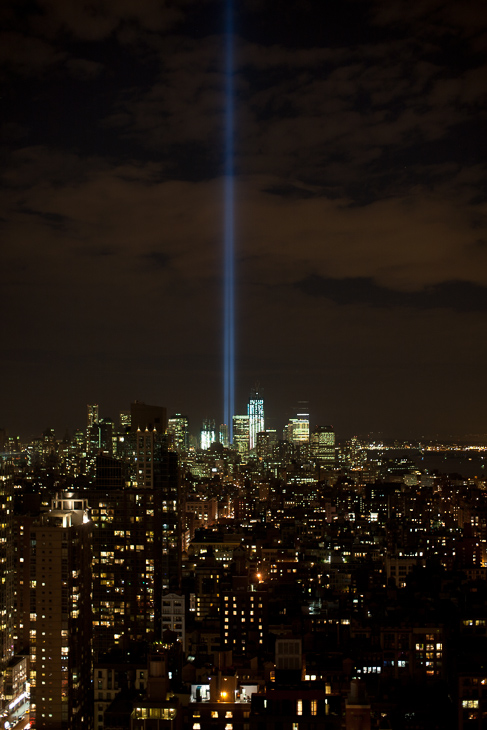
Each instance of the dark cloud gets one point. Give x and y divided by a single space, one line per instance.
53 220
96 21
98 251
83 68
459 296
360 200
156 259
27 55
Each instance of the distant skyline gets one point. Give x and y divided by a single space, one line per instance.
78 420
360 211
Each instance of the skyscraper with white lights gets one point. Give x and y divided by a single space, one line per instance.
256 416
207 435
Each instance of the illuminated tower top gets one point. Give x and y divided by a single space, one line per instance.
256 415
297 430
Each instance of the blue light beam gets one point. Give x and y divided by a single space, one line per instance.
229 233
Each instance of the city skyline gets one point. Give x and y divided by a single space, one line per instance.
200 434
360 220
145 581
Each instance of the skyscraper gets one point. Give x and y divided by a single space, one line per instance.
54 613
124 419
178 431
143 416
256 416
92 415
136 542
92 435
322 444
297 430
208 435
241 434
223 435
160 474
266 441
6 567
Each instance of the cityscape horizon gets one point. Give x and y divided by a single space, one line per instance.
292 580
72 424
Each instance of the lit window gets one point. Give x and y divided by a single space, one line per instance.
314 707
299 707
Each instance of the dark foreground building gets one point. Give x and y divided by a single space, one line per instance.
136 543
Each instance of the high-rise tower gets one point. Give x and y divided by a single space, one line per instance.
178 431
6 567
297 430
136 542
241 434
322 444
208 435
256 416
143 416
92 414
54 613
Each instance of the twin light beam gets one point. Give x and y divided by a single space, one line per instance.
229 233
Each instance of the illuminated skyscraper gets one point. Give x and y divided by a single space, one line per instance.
241 434
297 430
178 432
207 437
266 441
322 444
105 435
124 421
256 416
92 434
54 613
223 431
92 415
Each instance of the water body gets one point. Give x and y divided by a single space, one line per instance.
466 463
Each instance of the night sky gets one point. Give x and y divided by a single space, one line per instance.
361 184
